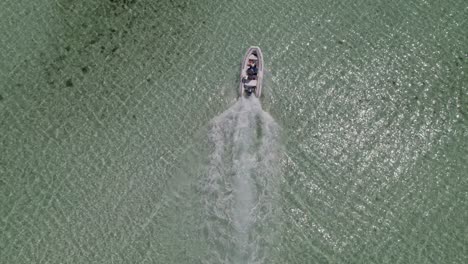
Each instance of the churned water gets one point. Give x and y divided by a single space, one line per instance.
241 183
122 139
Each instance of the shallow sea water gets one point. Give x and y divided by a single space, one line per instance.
123 140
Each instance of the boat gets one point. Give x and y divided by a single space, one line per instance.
251 73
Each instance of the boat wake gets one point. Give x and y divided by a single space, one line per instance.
240 184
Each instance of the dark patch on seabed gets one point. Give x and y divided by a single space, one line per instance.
85 69
69 83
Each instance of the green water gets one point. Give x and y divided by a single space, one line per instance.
112 112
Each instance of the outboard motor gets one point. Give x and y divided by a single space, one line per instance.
249 90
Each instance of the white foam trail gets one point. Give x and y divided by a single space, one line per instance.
240 182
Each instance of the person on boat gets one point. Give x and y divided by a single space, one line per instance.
252 72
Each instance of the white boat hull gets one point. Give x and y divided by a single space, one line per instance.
251 85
